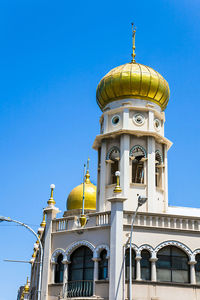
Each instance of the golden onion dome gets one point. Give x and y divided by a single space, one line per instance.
75 198
133 80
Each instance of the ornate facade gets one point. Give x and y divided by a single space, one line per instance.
91 259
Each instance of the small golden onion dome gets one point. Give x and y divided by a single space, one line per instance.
133 80
75 198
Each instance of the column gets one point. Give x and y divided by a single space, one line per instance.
153 269
51 212
65 277
151 121
53 270
151 174
125 118
165 170
116 248
192 272
124 163
95 277
138 267
101 202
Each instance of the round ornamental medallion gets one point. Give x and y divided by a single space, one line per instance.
138 119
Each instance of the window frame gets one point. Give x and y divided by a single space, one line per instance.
171 259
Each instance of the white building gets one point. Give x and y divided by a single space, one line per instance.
92 261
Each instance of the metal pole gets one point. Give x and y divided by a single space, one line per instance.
130 254
83 204
41 250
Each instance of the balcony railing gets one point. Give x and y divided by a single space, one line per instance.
69 223
79 288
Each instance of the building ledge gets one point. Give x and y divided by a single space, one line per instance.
170 284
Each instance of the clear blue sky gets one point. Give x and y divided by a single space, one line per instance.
52 56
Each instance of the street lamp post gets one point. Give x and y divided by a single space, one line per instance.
141 201
2 219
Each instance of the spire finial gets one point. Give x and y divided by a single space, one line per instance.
87 175
133 39
51 201
26 288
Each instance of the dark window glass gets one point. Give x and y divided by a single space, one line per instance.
103 265
59 269
158 170
172 265
82 265
127 264
114 168
137 171
197 268
145 265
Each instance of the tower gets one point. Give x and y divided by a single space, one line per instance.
133 98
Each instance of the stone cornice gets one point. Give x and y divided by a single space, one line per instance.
139 133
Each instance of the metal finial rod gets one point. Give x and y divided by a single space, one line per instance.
133 41
83 204
88 163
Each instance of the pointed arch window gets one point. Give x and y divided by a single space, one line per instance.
103 265
172 265
158 168
127 264
138 155
59 269
113 157
145 265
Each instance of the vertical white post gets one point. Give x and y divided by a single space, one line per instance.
51 212
116 249
153 269
53 270
95 276
101 202
165 179
151 174
192 272
138 267
65 277
124 163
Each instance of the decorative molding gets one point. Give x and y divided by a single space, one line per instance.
111 150
134 247
56 253
98 250
158 152
146 247
176 244
76 245
140 147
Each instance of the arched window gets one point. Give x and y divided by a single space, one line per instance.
103 265
82 265
172 265
80 276
137 155
145 265
158 168
59 269
197 268
113 157
127 264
